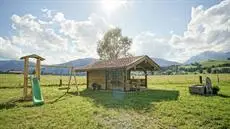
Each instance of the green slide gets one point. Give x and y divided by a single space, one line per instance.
37 94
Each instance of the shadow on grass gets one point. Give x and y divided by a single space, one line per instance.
223 96
130 100
60 98
7 105
10 103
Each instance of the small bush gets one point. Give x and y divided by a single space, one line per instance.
215 89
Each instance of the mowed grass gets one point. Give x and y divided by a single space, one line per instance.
167 104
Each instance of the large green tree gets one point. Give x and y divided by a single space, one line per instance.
113 45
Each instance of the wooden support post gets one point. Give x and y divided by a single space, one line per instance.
71 73
87 79
128 75
146 83
75 79
125 79
26 70
106 79
201 81
38 68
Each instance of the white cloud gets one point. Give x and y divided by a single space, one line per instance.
208 30
85 33
8 49
59 17
147 43
59 39
54 37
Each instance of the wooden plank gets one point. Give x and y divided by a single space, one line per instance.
135 63
33 56
70 77
144 59
75 79
26 70
38 68
146 79
124 78
87 79
106 79
97 76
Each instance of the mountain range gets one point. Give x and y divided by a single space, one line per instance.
208 55
17 65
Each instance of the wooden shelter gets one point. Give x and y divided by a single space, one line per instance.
111 74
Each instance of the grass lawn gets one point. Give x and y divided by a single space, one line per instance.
167 104
211 63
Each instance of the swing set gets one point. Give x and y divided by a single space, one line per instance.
72 74
38 74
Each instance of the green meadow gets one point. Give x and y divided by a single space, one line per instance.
166 104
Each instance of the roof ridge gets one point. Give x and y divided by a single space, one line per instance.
115 63
140 57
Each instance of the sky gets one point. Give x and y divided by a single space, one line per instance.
61 31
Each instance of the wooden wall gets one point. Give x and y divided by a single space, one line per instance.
97 76
115 79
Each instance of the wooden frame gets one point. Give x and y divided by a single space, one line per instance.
38 72
73 73
26 71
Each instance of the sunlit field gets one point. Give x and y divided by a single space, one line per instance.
166 104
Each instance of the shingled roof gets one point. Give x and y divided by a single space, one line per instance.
115 63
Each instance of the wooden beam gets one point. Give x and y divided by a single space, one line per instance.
75 79
38 68
70 77
144 59
87 79
135 64
106 79
26 70
128 74
146 83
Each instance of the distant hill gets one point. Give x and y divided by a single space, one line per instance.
75 63
210 63
165 63
208 55
17 65
79 62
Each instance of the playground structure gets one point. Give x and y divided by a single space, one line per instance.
26 72
35 80
72 74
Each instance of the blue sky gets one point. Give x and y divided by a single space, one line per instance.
158 24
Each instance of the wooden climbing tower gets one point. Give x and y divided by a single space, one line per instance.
26 71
